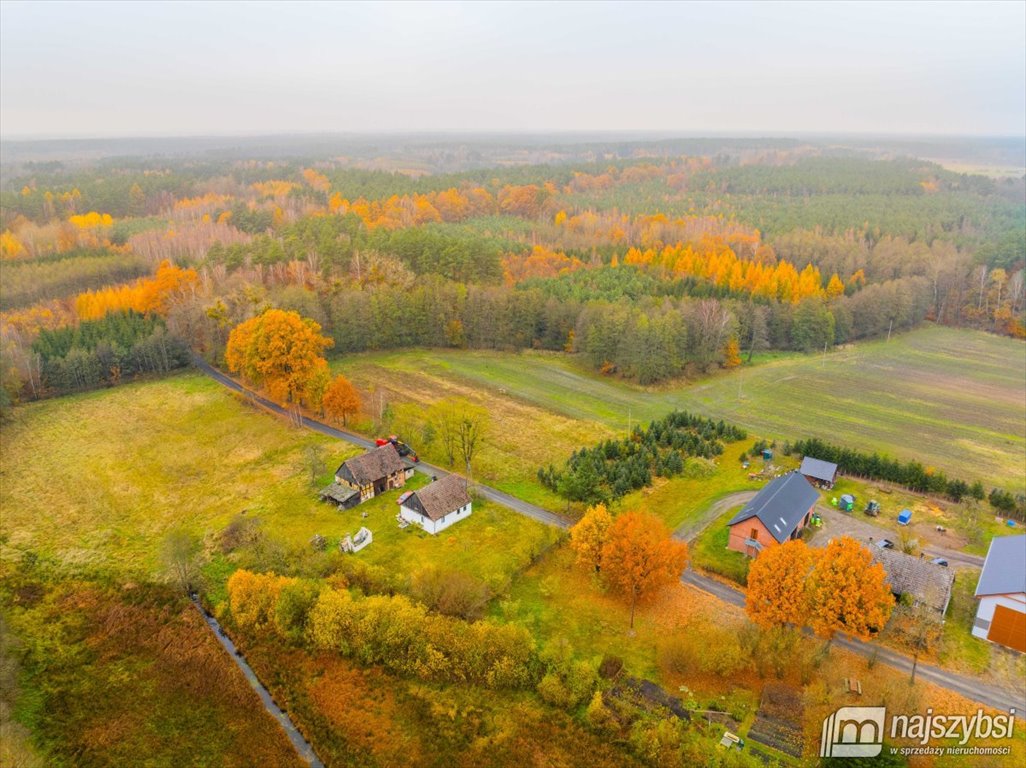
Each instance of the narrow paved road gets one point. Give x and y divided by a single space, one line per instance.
492 494
972 689
975 690
302 746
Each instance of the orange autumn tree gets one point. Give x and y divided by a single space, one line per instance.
778 585
588 536
341 400
279 351
848 592
639 557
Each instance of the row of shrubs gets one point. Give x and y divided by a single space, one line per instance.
910 474
406 638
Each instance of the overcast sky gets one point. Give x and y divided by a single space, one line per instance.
131 69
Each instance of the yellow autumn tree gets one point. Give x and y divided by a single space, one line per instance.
778 585
848 592
588 536
10 246
92 220
279 351
316 180
253 597
731 353
835 287
145 295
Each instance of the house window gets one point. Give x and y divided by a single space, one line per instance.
754 535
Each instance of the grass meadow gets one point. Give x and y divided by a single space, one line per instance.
98 480
949 398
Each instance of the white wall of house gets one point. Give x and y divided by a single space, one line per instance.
985 610
435 526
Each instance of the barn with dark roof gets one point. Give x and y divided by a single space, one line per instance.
778 513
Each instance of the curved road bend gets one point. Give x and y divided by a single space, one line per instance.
492 494
688 531
301 745
968 687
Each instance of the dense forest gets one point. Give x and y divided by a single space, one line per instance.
647 267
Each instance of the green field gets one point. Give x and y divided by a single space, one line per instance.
98 480
949 398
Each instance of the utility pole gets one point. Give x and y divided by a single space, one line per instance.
889 326
628 422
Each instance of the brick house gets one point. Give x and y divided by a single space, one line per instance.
778 513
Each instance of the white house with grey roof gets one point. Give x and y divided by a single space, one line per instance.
1001 615
437 506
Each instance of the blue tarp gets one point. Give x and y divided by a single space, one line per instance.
905 517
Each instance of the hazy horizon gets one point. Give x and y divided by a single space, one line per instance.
152 70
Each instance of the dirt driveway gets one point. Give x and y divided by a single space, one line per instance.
858 526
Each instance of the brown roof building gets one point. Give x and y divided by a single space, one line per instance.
924 582
438 505
378 470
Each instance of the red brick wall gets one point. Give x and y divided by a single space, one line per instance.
739 532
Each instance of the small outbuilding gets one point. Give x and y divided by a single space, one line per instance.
819 472
1001 615
341 496
437 506
905 517
777 514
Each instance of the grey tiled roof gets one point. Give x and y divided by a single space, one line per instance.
781 505
819 469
